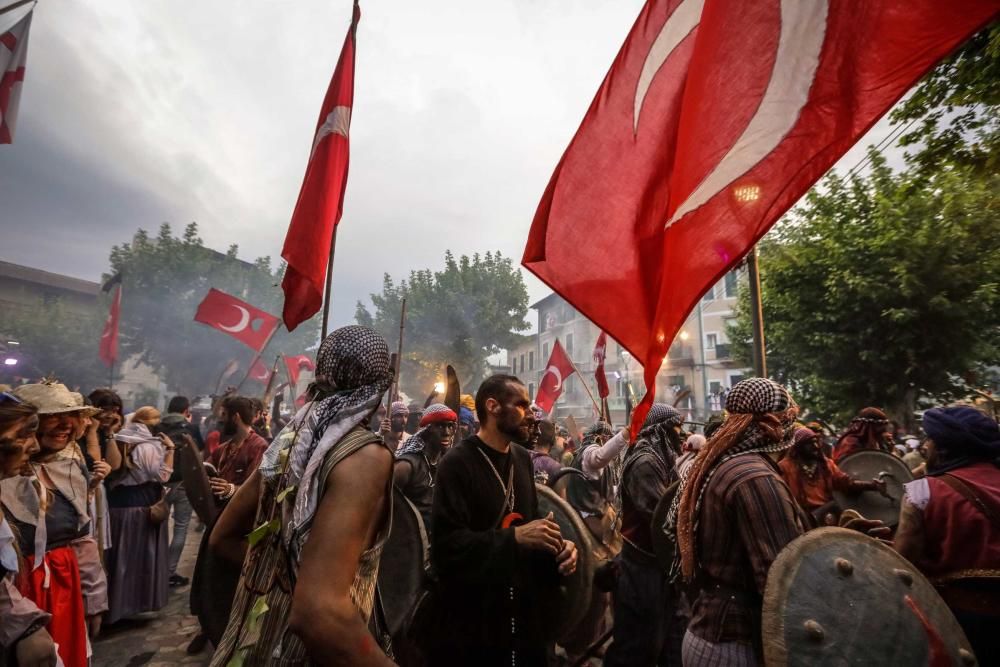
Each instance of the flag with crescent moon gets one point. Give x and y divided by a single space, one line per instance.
14 28
550 386
715 117
248 324
294 366
309 240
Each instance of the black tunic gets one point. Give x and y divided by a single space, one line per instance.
419 488
491 591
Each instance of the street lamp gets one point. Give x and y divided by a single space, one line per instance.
10 361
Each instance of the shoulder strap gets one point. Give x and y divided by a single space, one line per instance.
966 492
350 443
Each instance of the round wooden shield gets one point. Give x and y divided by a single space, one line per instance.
196 487
838 597
663 540
404 561
868 465
574 594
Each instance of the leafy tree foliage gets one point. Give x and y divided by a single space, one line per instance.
57 341
883 290
165 278
460 316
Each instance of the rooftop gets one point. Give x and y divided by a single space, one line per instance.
57 280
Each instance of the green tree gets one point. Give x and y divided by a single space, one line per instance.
57 341
165 278
883 290
461 316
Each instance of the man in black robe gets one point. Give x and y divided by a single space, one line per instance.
496 560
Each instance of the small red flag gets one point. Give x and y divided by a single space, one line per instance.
13 55
295 364
108 351
556 371
260 372
600 350
715 117
251 326
308 242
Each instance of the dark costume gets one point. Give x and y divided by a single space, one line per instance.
649 616
733 515
955 510
489 604
865 432
813 479
419 487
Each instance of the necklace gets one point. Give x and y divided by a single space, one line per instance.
508 488
431 470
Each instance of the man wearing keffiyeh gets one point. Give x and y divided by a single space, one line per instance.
393 428
325 483
733 513
415 470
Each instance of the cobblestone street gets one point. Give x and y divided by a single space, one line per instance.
156 639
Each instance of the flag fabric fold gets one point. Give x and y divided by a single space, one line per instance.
309 240
108 350
248 324
13 57
294 366
714 118
600 351
557 370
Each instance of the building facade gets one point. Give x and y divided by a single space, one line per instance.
696 375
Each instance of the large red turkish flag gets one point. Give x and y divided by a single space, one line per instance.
557 370
13 56
249 325
108 350
715 117
294 366
321 199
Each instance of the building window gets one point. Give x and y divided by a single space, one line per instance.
620 388
522 363
531 390
569 345
570 385
545 350
731 287
675 381
531 361
736 378
711 340
710 294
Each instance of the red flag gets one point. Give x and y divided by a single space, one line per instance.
260 372
13 55
321 200
600 350
249 325
556 371
108 351
715 117
295 364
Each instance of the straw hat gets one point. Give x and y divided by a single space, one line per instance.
147 415
53 398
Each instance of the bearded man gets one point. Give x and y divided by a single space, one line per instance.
496 559
867 431
241 447
949 523
812 478
649 619
733 514
393 429
415 470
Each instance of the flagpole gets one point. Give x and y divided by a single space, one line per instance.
399 352
756 315
257 355
111 375
15 6
583 381
329 281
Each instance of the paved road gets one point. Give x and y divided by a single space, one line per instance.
160 639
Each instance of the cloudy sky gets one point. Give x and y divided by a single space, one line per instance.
138 113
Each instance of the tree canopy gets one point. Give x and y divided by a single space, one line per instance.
461 315
165 278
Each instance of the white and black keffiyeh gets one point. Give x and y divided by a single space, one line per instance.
354 362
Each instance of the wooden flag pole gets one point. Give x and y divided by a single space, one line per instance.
329 281
399 352
597 408
257 355
15 6
756 315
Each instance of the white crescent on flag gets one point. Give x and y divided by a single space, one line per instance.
337 121
242 324
554 371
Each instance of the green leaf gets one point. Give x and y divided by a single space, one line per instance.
285 492
263 530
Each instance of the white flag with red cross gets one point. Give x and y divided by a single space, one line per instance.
13 55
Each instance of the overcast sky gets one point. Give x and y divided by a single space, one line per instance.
138 113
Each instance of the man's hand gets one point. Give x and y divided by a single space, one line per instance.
36 650
221 488
98 472
879 485
567 558
94 625
116 424
541 535
385 428
851 520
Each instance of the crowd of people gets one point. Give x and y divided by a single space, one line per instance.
96 514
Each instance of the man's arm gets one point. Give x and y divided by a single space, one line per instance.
909 538
229 537
645 484
353 508
596 458
401 471
765 518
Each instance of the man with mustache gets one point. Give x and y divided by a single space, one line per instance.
240 449
495 557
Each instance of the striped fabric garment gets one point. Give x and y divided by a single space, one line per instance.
696 652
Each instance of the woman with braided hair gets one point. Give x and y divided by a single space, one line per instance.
733 514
